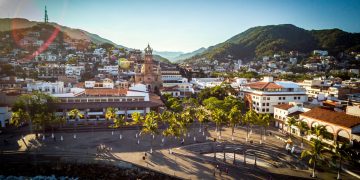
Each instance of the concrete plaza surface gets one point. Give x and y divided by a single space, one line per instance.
193 159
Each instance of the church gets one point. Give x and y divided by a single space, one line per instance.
149 74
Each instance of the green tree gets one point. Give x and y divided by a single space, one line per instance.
201 114
249 119
29 106
304 128
150 126
173 128
291 121
75 114
319 131
185 119
110 114
264 122
315 154
234 117
137 118
119 121
218 116
341 152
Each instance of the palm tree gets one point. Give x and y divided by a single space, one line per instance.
150 126
19 117
341 152
315 154
291 121
119 121
74 114
248 120
137 119
185 119
173 128
218 116
234 117
303 127
264 121
319 131
110 114
200 115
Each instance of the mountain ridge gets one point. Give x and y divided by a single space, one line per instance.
261 41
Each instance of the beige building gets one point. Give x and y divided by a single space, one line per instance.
149 74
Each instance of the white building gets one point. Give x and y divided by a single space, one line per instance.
46 87
203 83
72 70
262 96
107 83
283 111
113 70
181 90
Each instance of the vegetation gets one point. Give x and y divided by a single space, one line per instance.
315 154
34 109
262 41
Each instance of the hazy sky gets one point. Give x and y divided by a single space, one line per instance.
184 25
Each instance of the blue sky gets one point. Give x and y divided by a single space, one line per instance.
184 25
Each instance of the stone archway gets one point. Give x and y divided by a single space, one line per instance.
343 135
314 124
330 132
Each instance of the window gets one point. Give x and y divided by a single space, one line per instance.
268 98
279 103
263 110
283 98
263 104
279 98
257 103
264 98
267 109
267 104
295 97
299 97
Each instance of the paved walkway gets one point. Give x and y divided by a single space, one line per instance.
186 162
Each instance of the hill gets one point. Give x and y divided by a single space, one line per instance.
189 55
267 40
8 24
168 54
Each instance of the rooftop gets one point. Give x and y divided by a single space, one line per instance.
284 106
105 92
264 85
337 118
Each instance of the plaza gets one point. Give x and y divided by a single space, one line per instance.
188 160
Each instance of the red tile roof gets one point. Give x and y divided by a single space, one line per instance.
264 85
332 117
105 92
284 106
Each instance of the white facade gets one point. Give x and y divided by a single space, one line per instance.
72 70
203 83
46 87
113 70
281 116
263 100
